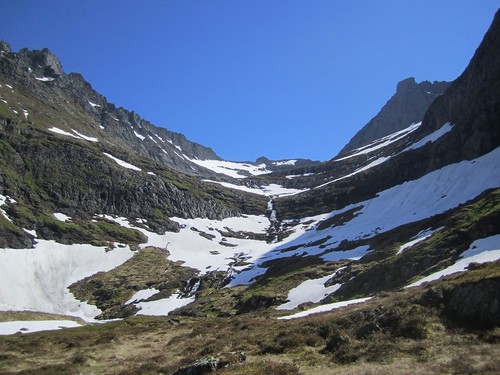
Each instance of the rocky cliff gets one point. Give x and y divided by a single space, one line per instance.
408 105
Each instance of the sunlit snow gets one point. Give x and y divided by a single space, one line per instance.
423 235
44 79
163 306
142 294
323 308
122 163
38 278
86 137
61 217
267 190
313 290
431 137
141 137
480 251
63 132
382 142
232 169
29 326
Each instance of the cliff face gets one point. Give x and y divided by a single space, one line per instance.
408 105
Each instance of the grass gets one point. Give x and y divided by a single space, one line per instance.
148 268
392 333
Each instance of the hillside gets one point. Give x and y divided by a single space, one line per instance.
383 259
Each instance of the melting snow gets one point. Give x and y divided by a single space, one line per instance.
230 168
323 308
94 104
382 142
61 217
267 190
38 278
284 162
418 238
142 294
124 164
45 79
431 137
86 137
141 137
164 306
29 326
62 132
309 291
480 251
366 167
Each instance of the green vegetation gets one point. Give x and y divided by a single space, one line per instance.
396 333
148 268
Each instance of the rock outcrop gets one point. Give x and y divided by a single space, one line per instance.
408 105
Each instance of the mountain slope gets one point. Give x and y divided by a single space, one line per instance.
407 106
105 230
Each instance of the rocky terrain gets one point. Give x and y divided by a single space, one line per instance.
383 259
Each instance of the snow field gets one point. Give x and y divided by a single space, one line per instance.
230 168
29 326
267 190
480 251
38 278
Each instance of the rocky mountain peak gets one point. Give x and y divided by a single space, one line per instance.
4 47
408 105
42 61
405 85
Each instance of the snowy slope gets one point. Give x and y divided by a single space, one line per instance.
39 277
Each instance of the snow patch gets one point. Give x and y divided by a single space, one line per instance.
63 132
44 79
163 306
323 308
61 217
29 326
141 137
382 142
142 294
284 162
431 137
94 104
230 168
122 163
38 278
86 137
267 190
422 235
309 291
480 251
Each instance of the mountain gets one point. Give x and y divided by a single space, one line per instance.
407 106
383 259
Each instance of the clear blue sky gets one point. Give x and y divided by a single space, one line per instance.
280 78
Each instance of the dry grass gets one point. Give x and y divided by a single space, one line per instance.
389 334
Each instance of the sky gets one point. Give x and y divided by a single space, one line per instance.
276 78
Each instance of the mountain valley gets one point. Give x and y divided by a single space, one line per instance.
164 258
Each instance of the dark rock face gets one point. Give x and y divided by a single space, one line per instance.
407 106
471 103
40 73
471 304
